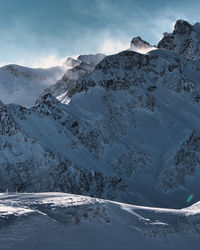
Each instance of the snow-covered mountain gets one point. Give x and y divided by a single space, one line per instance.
129 133
63 221
184 40
22 85
84 64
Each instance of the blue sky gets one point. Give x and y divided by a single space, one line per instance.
44 32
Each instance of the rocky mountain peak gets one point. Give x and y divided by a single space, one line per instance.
71 62
182 27
116 132
139 42
141 46
184 40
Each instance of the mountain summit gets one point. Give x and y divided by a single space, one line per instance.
141 46
184 40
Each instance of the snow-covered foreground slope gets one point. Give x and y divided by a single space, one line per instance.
22 85
63 221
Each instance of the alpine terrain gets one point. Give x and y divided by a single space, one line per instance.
111 140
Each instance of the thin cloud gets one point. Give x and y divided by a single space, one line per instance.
47 62
38 62
112 46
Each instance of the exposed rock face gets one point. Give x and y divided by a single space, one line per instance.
138 42
184 40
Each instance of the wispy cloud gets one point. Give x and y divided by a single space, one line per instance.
47 62
37 62
110 45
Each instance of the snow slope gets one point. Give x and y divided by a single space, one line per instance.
66 221
22 85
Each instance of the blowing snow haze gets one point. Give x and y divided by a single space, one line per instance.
100 150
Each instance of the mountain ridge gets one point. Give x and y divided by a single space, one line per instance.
130 131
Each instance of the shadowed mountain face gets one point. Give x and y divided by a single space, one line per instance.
129 133
124 127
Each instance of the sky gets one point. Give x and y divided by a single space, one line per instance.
43 33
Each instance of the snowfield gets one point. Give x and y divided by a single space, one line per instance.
67 221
